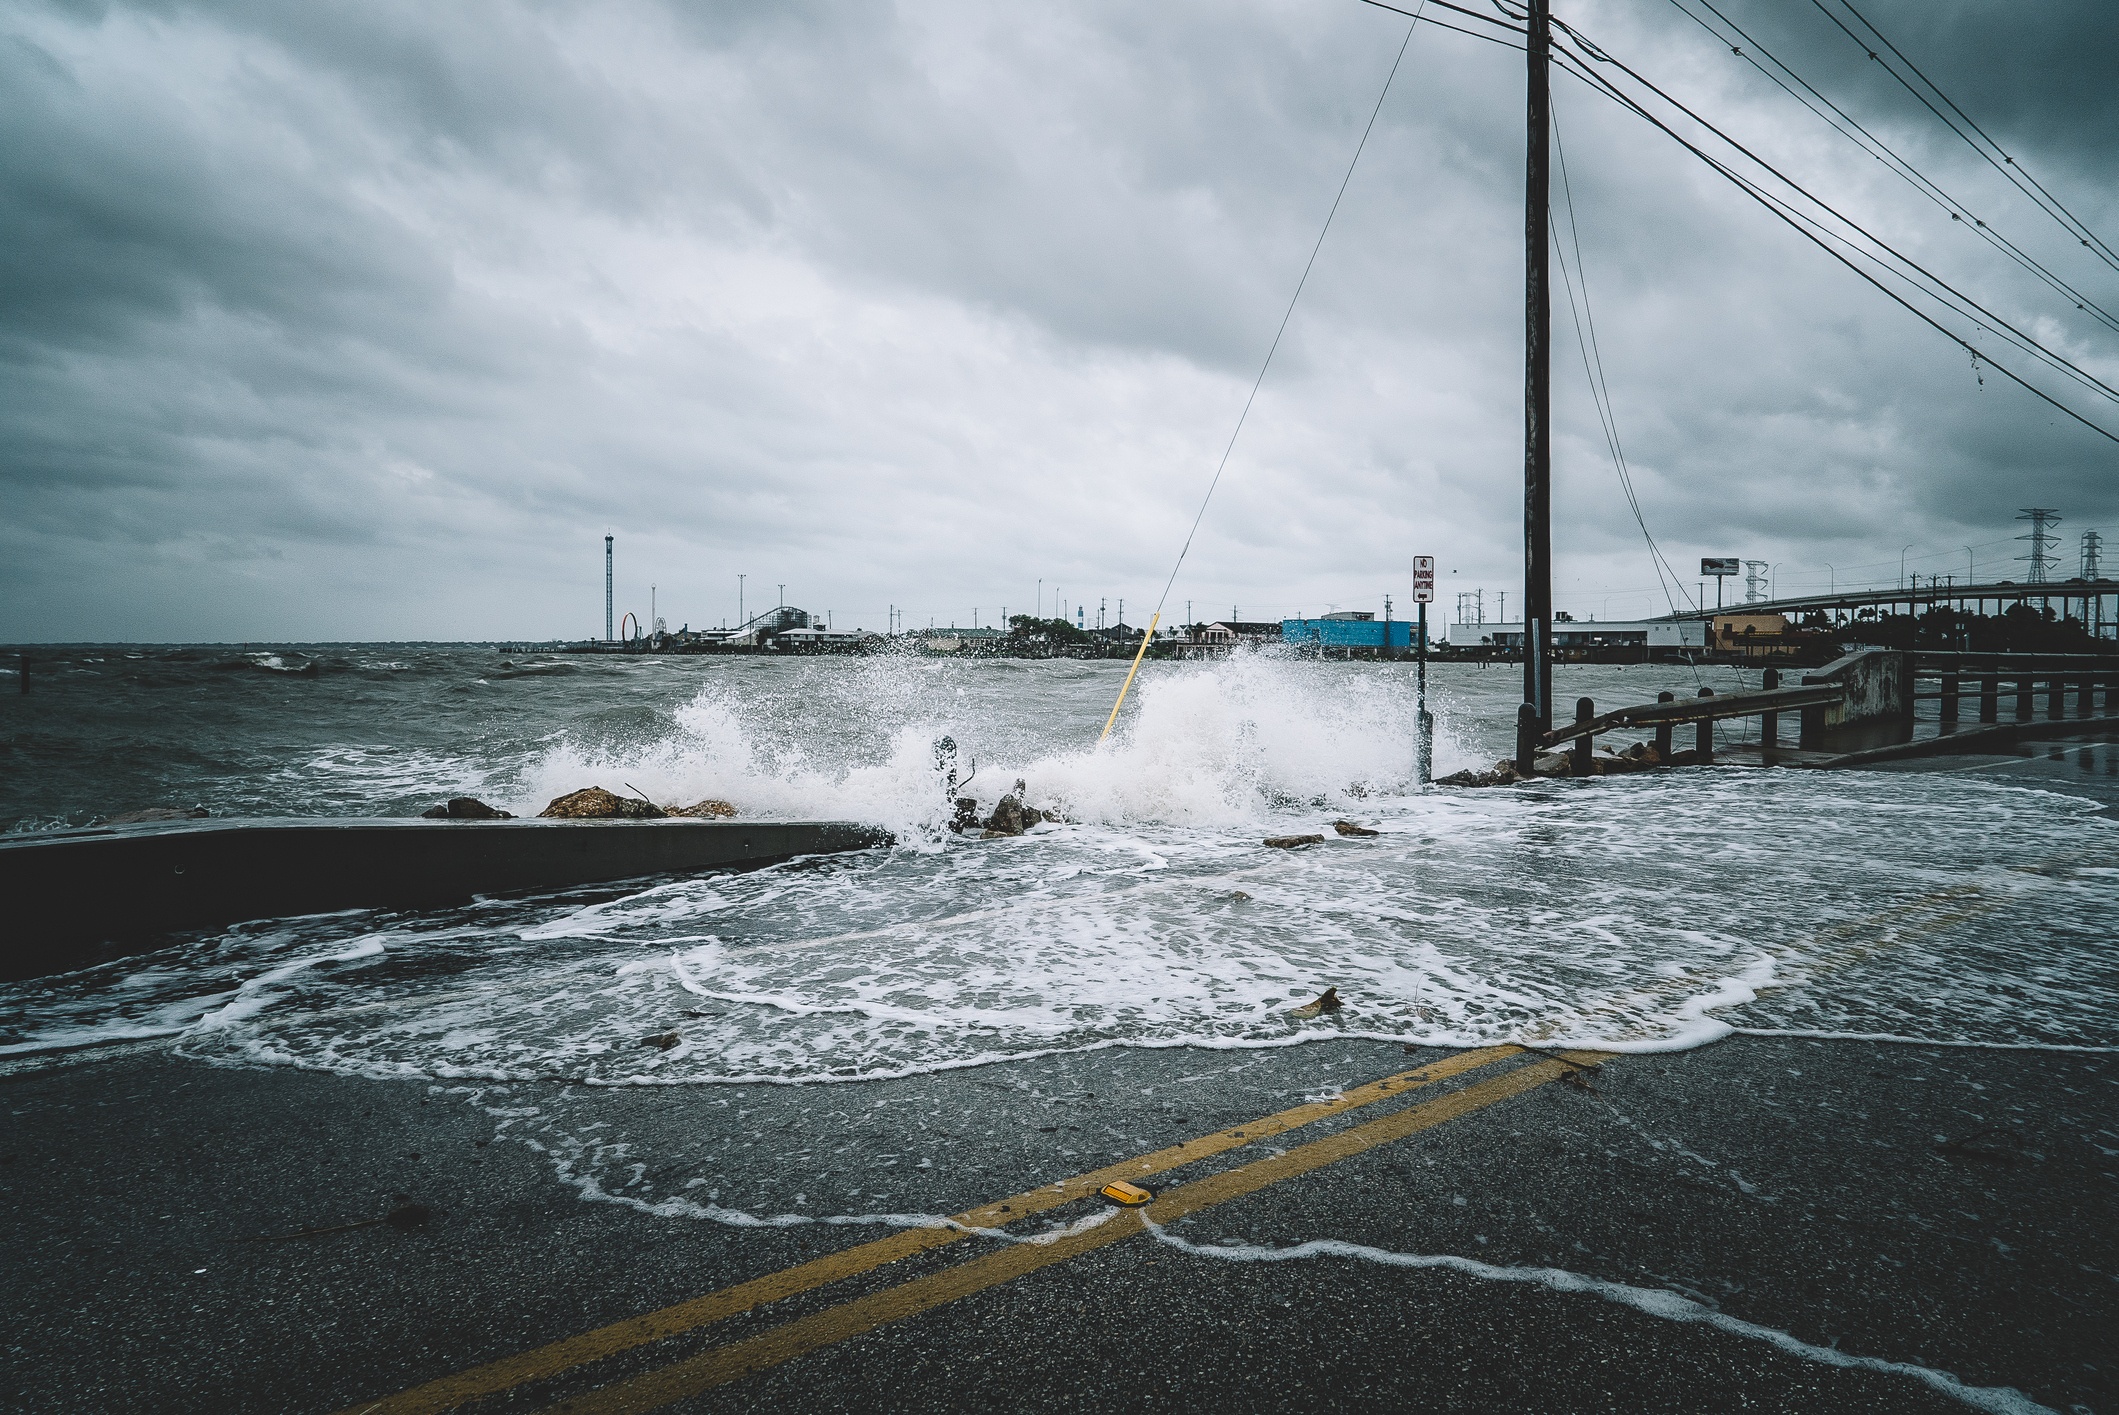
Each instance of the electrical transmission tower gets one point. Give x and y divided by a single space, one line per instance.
2041 558
1754 581
2092 546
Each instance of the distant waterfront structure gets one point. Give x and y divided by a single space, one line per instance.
607 587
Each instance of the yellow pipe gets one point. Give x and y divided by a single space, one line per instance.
1145 640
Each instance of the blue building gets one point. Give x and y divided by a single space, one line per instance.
1347 630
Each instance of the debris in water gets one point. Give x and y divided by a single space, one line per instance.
1237 896
1327 1001
465 808
661 1041
1290 842
1349 828
595 803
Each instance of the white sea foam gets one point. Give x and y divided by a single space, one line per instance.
1653 1301
1635 914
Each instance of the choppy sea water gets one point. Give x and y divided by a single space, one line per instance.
1637 912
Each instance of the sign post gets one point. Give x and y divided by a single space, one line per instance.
1720 568
1423 595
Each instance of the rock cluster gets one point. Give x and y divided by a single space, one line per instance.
1641 756
1012 816
1291 842
708 809
465 808
595 803
1349 828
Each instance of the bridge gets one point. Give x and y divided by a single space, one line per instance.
1910 599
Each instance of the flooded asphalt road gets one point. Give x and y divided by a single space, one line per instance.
1715 1229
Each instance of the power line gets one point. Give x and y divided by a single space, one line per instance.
1574 65
2008 166
1593 368
1942 291
1841 121
1289 313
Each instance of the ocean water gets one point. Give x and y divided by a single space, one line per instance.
1645 912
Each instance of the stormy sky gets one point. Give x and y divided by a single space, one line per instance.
366 322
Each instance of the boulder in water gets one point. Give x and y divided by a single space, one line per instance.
1349 828
595 803
1291 842
465 808
709 809
1010 817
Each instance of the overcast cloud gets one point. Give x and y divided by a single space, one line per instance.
368 321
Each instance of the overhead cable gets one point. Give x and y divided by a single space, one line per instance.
1996 156
1750 51
1942 291
1578 68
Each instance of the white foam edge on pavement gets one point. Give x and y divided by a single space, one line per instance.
1917 1041
677 1206
1654 1301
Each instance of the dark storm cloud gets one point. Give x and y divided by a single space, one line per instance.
337 321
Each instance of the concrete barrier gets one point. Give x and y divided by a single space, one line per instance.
1877 707
76 896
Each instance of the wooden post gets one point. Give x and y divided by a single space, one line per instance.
1662 731
2086 695
1769 723
2023 699
2056 696
1537 368
1990 698
1527 734
1706 737
1585 709
1949 699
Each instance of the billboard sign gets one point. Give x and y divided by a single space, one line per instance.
1719 566
1424 579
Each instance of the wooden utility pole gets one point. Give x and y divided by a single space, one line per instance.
1537 378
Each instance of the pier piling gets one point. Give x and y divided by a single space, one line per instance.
1662 729
1706 734
1585 710
1769 723
1990 698
1949 699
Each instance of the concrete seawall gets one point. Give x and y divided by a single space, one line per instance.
80 895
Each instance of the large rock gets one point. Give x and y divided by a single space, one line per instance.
466 808
1010 817
595 803
1292 842
709 809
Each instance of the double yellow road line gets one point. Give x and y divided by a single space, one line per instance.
738 1359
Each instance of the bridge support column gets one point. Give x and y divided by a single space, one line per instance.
1706 737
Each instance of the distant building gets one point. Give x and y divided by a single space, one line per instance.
1588 634
1753 635
1230 632
1348 629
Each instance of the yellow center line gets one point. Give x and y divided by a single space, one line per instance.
723 1364
547 1361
